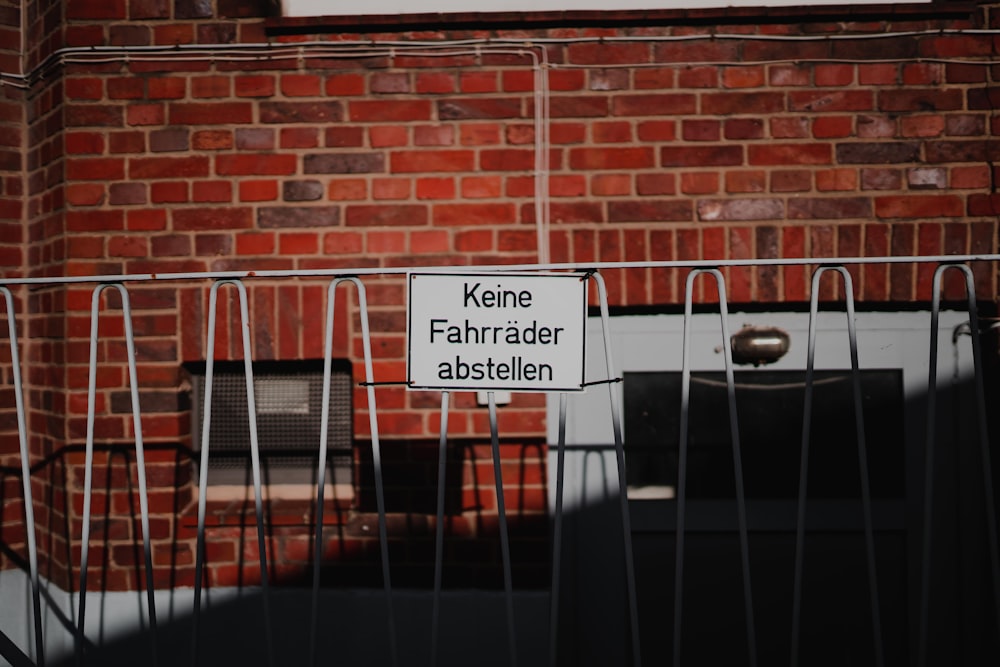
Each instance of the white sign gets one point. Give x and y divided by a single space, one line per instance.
496 331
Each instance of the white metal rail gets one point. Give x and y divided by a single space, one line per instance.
237 281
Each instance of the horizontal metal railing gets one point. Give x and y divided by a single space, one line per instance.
356 278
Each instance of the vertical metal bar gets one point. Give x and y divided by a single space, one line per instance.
319 546
206 417
862 468
140 464
439 529
557 535
89 462
254 461
734 433
682 444
255 466
88 466
502 526
929 441
616 426
987 465
29 508
800 526
377 465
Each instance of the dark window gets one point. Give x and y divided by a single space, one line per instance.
769 406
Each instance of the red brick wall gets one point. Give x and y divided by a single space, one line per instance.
385 155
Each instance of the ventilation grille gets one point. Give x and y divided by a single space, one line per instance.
289 402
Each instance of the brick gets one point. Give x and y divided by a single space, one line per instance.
348 189
344 137
881 179
255 243
830 101
742 103
934 99
610 185
258 190
479 134
372 111
254 85
211 86
959 151
654 104
737 129
701 156
344 163
478 81
82 143
298 137
789 154
145 114
434 135
212 140
927 178
609 79
242 165
876 126
473 214
919 206
435 188
828 180
611 158
747 76
745 181
345 85
961 125
210 113
95 169
922 126
86 9
650 78
388 135
172 139
174 245
650 210
790 128
833 127
608 53
310 190
270 217
94 115
790 181
701 130
390 82
789 75
202 219
471 108
613 132
740 209
84 88
827 208
435 83
300 85
833 75
432 161
254 139
95 221
85 194
878 153
301 112
126 142
126 194
700 183
168 167
168 192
